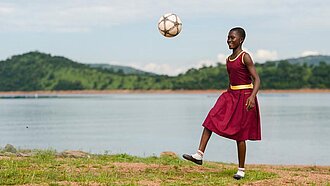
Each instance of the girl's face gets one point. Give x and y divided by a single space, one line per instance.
234 40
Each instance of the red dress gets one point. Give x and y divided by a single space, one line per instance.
229 117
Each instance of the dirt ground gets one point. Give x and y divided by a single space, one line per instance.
294 175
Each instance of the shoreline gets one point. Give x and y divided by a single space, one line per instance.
71 92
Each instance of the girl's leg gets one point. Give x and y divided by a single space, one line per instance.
204 139
241 151
198 156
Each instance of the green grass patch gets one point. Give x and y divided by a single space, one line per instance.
122 169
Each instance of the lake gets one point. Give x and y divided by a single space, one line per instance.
295 126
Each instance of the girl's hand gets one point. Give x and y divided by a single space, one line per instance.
250 103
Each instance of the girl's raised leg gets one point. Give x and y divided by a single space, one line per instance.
204 139
198 156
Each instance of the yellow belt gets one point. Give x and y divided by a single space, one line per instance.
239 87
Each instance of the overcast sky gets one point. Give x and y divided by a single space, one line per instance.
124 32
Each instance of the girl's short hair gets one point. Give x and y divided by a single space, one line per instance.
240 31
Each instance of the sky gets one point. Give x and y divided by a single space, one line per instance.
124 32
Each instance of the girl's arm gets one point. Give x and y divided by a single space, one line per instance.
250 103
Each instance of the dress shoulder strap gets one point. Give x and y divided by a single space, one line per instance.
243 54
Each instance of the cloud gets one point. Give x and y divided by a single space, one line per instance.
164 69
67 16
221 58
171 70
263 55
309 53
203 63
6 10
59 15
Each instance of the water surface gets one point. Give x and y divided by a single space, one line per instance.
295 127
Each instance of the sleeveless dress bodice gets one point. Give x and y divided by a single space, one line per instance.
237 71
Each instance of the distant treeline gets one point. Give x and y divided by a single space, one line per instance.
274 75
39 71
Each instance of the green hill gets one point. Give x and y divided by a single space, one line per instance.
310 60
40 71
294 73
313 60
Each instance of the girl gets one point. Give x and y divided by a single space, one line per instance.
235 115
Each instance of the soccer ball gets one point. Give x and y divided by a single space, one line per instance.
169 25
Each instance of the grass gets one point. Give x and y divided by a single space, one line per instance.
44 167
